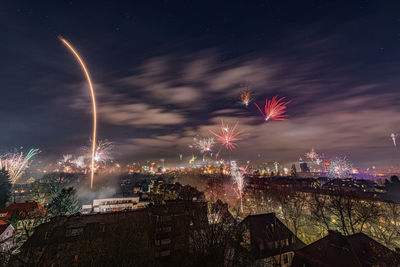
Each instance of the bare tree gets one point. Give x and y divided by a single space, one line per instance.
292 208
217 242
319 211
386 227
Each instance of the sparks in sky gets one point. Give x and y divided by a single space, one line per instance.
238 178
314 157
340 168
228 136
274 109
203 144
80 162
245 97
67 157
17 163
192 159
104 150
394 136
89 81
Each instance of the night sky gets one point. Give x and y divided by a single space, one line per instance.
166 71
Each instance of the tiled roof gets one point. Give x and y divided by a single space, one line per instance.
338 250
266 229
3 226
26 209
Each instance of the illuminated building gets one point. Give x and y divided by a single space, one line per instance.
114 204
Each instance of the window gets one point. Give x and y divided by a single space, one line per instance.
165 241
165 253
74 232
167 229
287 241
285 258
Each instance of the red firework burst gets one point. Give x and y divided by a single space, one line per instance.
228 136
274 109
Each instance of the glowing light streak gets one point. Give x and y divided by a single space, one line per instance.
69 46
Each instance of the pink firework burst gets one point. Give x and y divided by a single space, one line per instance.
274 109
228 136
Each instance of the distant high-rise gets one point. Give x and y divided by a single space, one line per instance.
293 171
276 165
304 167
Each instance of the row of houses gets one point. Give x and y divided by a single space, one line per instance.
364 188
162 233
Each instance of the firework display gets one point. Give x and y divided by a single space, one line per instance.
89 81
314 157
192 159
104 149
238 179
204 145
67 157
394 137
80 162
245 97
274 109
16 163
340 167
228 136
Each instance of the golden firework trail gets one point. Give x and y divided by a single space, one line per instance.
89 80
